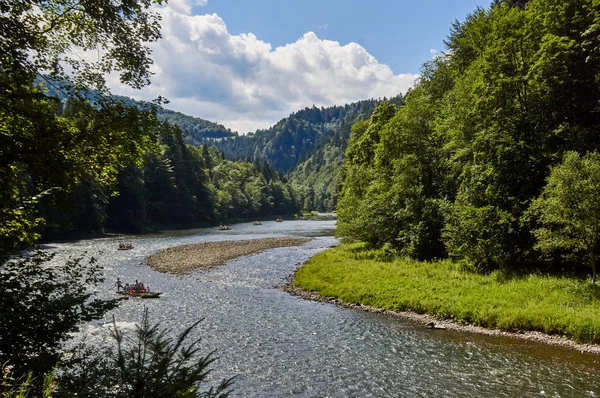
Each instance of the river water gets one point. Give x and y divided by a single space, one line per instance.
280 345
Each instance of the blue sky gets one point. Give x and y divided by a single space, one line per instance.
398 33
247 64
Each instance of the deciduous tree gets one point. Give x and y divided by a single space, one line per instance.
569 210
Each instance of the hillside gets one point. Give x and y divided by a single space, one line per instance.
196 130
319 174
294 139
309 145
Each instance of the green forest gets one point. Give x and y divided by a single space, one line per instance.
492 158
178 178
175 185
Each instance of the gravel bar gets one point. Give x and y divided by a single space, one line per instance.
183 259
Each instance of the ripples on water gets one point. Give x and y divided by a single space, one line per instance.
280 345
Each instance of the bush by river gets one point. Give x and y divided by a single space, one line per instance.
542 303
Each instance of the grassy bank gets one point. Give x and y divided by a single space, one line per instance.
553 305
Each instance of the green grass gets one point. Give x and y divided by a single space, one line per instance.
550 304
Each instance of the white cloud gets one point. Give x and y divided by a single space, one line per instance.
185 6
324 26
244 83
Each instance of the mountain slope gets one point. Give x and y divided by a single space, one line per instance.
196 130
319 174
294 139
309 144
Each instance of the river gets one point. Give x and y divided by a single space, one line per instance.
280 345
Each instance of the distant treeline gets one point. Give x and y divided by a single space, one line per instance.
196 130
176 185
484 162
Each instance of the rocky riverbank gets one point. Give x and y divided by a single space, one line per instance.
434 323
183 259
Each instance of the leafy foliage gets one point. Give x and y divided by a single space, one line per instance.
40 304
63 156
149 365
20 387
178 186
569 211
319 176
454 171
46 143
42 36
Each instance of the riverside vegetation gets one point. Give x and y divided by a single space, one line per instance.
492 165
535 302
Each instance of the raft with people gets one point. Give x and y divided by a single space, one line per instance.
136 289
125 246
140 295
224 228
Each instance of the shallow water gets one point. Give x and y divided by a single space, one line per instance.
280 345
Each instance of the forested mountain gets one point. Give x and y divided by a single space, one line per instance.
196 130
462 168
294 138
177 182
309 145
319 175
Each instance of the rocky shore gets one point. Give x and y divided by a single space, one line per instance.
182 259
434 323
